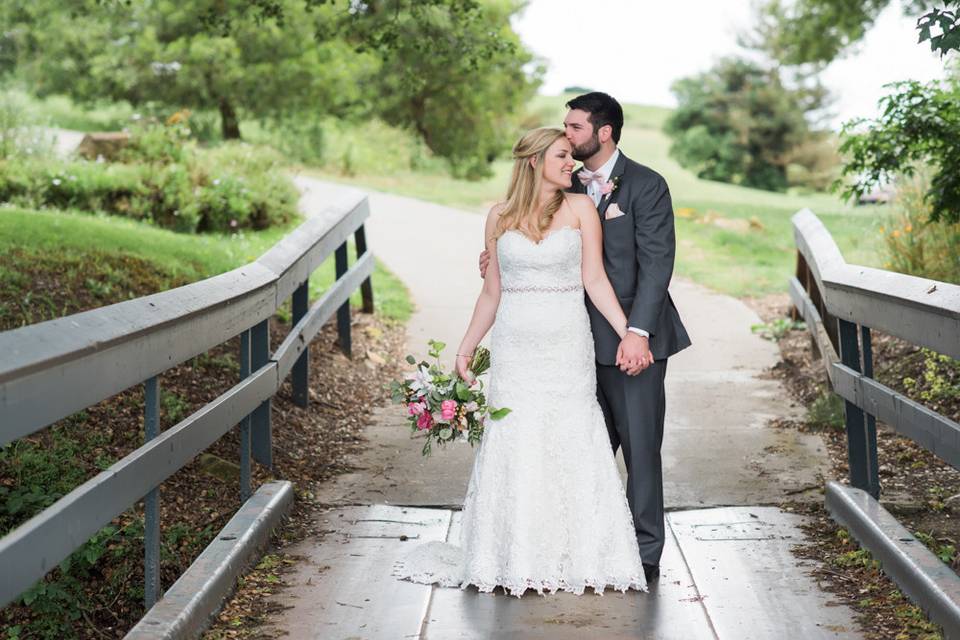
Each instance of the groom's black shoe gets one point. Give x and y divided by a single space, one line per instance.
651 571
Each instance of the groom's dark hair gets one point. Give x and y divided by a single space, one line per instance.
603 110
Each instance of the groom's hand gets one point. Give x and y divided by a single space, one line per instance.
484 263
633 355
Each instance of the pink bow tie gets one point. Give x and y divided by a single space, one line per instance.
586 177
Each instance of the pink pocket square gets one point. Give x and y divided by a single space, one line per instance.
613 211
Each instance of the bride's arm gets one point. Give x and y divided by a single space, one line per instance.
595 280
485 311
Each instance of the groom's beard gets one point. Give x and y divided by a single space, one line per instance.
587 149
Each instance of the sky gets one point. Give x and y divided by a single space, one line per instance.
635 49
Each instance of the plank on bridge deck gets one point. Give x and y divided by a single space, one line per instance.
344 588
752 585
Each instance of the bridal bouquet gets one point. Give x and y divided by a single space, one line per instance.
443 405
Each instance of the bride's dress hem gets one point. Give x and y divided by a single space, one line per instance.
542 587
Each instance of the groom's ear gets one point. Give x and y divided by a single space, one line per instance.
605 132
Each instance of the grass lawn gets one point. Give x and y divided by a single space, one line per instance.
737 262
73 245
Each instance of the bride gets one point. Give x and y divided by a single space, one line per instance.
545 508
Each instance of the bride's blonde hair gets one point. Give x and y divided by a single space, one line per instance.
525 184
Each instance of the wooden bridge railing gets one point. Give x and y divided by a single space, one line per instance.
841 304
50 370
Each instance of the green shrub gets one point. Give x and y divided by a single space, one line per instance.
915 245
165 179
159 144
242 186
19 135
826 412
939 383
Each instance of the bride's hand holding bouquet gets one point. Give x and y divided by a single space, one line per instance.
446 406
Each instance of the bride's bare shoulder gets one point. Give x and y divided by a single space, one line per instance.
580 201
496 210
494 214
582 206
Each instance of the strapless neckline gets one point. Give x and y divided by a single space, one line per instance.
546 236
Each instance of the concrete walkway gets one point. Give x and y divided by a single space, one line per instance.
727 569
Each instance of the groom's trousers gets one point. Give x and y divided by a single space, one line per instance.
634 408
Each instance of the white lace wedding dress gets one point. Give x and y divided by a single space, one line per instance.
545 508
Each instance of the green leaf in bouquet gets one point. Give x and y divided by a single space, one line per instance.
446 433
411 360
463 391
436 347
426 448
498 414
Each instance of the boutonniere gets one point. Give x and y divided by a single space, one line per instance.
610 186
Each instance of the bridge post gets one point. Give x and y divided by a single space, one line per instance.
245 422
366 289
343 313
871 430
301 370
151 502
861 442
260 430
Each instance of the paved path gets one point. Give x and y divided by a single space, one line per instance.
727 570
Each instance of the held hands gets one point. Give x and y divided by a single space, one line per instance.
633 354
484 262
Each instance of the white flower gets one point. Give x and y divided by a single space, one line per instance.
56 182
471 406
216 181
420 380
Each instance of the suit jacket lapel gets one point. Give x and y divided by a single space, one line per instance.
618 168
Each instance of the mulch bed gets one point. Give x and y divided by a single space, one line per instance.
918 488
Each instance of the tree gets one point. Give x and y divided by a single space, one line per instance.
452 70
920 126
458 82
162 52
819 31
737 123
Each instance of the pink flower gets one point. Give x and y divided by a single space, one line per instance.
607 187
425 421
448 409
416 408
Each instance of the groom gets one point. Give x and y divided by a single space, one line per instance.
638 253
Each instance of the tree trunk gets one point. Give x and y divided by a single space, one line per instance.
229 124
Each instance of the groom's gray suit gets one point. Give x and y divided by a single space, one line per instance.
638 254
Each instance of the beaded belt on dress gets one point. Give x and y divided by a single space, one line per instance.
542 289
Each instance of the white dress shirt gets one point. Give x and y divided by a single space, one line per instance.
593 190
